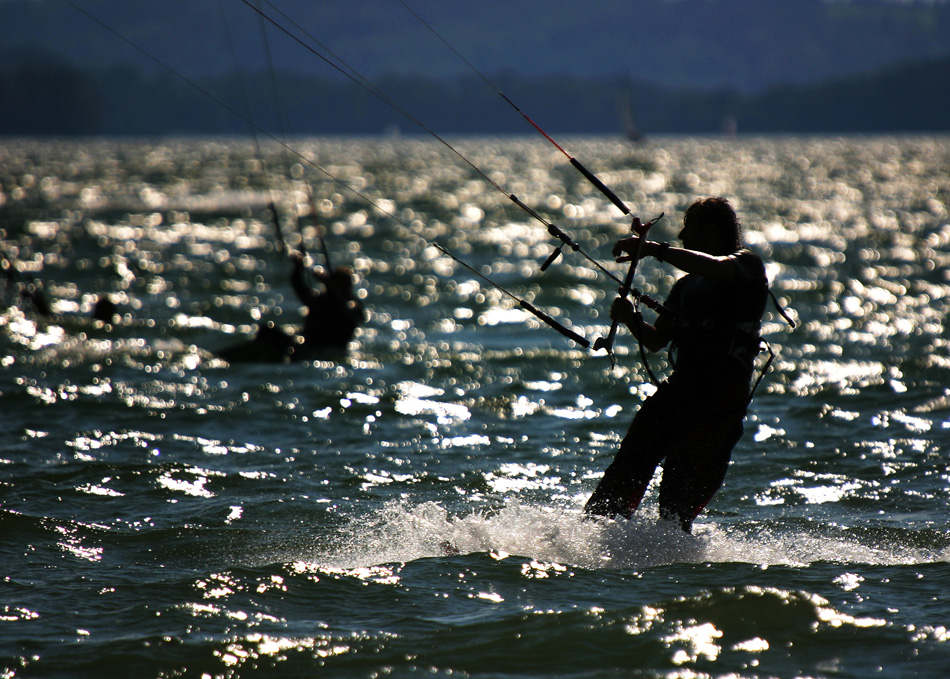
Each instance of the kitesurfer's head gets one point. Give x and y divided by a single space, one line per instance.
711 225
341 278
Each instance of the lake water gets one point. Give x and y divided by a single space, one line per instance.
413 508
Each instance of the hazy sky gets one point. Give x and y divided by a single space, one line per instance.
739 43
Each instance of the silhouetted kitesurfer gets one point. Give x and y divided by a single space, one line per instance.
333 314
694 419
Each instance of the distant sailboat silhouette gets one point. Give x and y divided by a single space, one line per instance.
628 121
730 126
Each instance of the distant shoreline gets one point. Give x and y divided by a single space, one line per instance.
45 96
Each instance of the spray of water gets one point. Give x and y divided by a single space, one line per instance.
402 532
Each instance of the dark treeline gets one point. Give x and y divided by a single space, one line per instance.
43 96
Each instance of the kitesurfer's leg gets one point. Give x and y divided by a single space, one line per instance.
626 479
616 495
695 469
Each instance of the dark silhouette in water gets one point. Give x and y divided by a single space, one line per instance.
333 315
27 287
33 293
694 419
105 310
270 345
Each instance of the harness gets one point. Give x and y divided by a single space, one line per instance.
750 340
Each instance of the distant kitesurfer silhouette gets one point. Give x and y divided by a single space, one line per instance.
332 316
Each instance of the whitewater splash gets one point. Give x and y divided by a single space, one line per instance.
402 532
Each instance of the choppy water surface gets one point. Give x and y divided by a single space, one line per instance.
413 508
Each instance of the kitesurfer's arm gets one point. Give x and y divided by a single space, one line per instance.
299 282
690 261
654 337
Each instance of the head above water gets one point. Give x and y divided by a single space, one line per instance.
714 225
341 278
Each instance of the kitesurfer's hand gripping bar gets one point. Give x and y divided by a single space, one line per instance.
642 230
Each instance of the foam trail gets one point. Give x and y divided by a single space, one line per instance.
403 532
